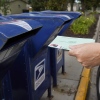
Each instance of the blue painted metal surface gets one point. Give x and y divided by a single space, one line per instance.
34 69
50 22
13 35
56 57
52 25
65 26
8 31
4 18
58 60
29 79
74 14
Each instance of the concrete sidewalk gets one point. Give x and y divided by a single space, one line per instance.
68 83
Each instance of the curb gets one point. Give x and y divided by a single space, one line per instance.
85 76
83 86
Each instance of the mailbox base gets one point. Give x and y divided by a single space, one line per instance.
30 77
56 61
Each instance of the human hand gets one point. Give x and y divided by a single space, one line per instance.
87 54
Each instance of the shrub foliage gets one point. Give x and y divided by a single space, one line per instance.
82 24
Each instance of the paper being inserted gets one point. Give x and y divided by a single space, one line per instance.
63 42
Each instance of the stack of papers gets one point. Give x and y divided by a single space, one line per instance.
63 42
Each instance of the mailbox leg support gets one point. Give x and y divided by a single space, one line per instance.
55 80
50 96
63 67
49 92
0 91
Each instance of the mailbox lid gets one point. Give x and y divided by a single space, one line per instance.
16 29
39 15
13 36
73 14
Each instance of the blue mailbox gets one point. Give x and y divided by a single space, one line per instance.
13 35
32 74
50 23
57 56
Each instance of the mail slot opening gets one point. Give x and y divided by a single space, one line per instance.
19 38
67 22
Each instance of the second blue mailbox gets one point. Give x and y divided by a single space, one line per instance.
57 55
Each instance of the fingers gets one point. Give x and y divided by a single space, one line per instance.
84 64
84 54
73 47
76 46
72 53
73 50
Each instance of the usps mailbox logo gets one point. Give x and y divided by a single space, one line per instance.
59 55
39 74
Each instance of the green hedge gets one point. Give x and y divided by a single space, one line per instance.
82 24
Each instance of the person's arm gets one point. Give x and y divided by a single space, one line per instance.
87 54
